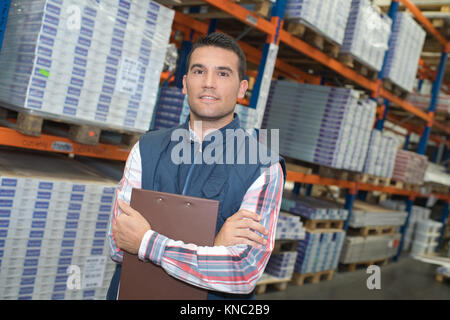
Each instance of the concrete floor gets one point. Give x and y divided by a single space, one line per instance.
405 279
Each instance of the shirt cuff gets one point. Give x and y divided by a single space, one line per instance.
152 247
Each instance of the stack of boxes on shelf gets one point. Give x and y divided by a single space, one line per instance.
418 215
404 52
328 17
54 214
89 61
289 227
372 235
281 264
410 167
381 155
320 124
422 101
426 235
169 108
367 34
320 250
366 215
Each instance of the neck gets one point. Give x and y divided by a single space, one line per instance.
203 127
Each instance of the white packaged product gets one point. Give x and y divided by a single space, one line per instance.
97 62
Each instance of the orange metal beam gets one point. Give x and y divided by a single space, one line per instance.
253 54
405 105
12 138
305 48
425 22
321 57
315 179
244 15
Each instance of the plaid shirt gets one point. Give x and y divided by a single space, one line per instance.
232 269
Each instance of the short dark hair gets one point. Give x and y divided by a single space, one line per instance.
223 41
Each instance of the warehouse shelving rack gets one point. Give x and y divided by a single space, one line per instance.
275 34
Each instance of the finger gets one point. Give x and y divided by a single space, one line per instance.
249 214
251 235
250 224
129 211
248 242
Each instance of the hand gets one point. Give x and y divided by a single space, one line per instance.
237 229
129 228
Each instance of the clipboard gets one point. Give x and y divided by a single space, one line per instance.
178 217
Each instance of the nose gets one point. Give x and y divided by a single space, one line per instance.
209 81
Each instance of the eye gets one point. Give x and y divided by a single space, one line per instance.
198 71
224 74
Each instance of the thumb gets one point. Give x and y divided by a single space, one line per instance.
129 211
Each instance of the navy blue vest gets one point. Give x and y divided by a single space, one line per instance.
163 150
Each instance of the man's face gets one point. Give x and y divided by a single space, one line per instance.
212 83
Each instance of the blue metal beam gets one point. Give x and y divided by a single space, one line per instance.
212 26
4 10
349 201
409 205
392 13
444 219
434 98
405 146
278 9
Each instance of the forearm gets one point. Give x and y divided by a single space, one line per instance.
233 269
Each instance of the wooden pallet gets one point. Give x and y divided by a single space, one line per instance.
397 184
34 124
371 231
374 180
338 174
363 264
259 7
395 89
300 279
353 63
278 284
313 37
442 278
282 246
312 225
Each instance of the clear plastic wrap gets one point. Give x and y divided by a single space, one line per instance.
329 17
407 42
381 155
367 34
98 61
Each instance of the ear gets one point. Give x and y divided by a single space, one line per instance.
243 86
184 85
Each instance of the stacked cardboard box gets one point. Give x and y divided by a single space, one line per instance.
313 208
54 215
410 167
381 155
367 34
404 52
319 251
328 17
364 249
82 60
426 235
320 124
289 227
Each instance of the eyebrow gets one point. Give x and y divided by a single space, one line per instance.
201 66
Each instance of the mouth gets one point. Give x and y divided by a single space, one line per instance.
208 98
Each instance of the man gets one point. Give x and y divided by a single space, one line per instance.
249 194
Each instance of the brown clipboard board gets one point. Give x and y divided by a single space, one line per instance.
178 217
